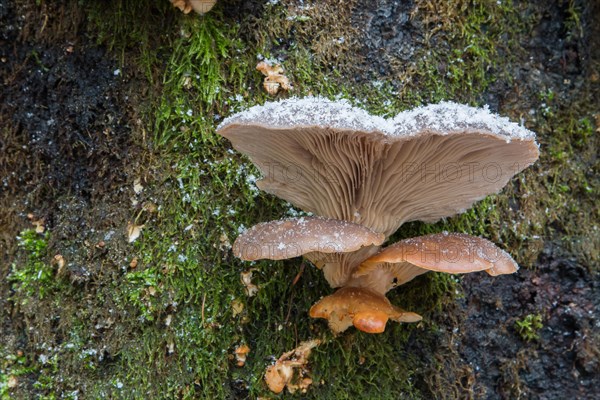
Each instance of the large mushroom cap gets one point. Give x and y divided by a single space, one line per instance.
340 162
294 237
455 253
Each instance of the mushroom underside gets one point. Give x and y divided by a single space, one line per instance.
379 181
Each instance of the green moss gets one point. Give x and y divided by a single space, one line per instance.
140 30
529 326
210 195
172 331
35 276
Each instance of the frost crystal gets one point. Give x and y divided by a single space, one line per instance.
443 118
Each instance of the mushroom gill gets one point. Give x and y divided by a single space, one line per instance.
339 162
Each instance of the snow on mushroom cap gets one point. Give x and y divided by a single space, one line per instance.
448 117
311 111
443 118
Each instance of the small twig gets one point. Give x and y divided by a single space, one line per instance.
290 301
203 302
297 278
287 317
44 24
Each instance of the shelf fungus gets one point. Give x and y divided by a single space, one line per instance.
199 6
364 176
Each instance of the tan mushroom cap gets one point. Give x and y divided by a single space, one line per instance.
455 253
366 309
294 237
340 162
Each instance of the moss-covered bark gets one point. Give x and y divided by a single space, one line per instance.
105 95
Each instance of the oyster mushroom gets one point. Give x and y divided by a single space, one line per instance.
340 162
363 303
455 253
314 237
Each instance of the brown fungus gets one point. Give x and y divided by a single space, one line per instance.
294 237
275 79
362 307
340 162
363 303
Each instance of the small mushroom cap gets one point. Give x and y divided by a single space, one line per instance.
340 162
294 237
364 308
455 253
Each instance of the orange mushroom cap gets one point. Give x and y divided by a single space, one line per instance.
364 308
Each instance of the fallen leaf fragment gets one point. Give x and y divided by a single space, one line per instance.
38 223
251 289
241 352
137 186
133 232
237 307
274 78
12 382
290 369
59 261
225 244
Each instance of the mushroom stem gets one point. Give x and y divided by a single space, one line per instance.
339 267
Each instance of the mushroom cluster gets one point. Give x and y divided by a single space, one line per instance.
363 176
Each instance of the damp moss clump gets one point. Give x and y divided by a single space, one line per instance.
34 277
